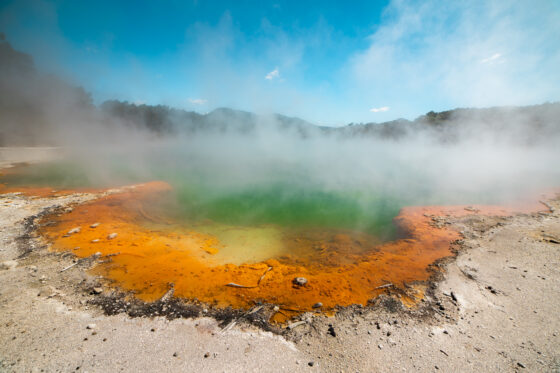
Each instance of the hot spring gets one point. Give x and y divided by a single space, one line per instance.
233 226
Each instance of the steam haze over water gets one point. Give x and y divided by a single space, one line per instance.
129 100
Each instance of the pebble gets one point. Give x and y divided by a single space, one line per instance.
91 326
94 225
300 281
8 264
331 331
311 363
74 230
95 241
97 290
380 346
111 236
318 305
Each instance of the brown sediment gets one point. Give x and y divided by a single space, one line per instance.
341 271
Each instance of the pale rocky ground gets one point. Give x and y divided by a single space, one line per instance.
506 281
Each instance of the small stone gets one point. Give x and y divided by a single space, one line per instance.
8 264
95 240
97 290
276 309
74 230
318 305
175 354
311 363
91 326
207 355
299 281
331 331
94 225
520 365
112 236
380 346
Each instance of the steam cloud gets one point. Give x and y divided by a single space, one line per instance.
460 156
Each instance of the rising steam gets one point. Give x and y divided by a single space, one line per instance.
460 156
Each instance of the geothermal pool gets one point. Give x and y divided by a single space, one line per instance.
242 242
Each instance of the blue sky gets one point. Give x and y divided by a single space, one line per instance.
330 62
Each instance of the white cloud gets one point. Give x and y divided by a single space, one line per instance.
429 56
197 101
494 58
379 109
274 74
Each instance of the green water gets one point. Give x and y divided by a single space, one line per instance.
221 194
199 197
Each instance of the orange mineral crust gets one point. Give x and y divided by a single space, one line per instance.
144 254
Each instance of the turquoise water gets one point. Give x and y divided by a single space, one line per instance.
200 196
285 194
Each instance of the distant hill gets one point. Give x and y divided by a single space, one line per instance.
524 124
41 109
33 105
164 119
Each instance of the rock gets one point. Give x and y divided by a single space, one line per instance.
74 230
8 264
331 331
91 326
520 365
112 236
299 281
95 240
380 346
207 355
97 290
94 225
318 305
311 363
